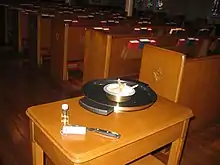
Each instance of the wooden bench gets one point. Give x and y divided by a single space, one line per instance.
30 35
104 49
22 30
67 44
44 34
68 38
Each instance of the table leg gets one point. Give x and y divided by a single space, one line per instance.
37 152
177 146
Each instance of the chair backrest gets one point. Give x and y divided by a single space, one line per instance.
162 69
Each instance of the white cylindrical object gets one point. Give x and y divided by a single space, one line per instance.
65 107
71 130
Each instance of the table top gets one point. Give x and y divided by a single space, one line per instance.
132 126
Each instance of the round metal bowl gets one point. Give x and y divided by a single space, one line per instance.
118 97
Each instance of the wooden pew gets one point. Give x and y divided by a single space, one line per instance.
44 40
40 18
22 30
33 36
69 45
40 43
103 54
29 31
193 47
44 30
38 31
12 23
12 33
193 82
23 25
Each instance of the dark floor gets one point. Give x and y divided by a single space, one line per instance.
21 87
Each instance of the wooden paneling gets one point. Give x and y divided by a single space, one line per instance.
200 89
95 57
45 33
119 66
76 43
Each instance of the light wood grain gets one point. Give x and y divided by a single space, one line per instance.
162 69
90 147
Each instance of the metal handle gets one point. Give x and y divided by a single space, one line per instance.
107 133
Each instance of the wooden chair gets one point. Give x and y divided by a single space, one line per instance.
162 69
192 82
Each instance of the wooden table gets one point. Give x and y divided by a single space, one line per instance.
141 133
